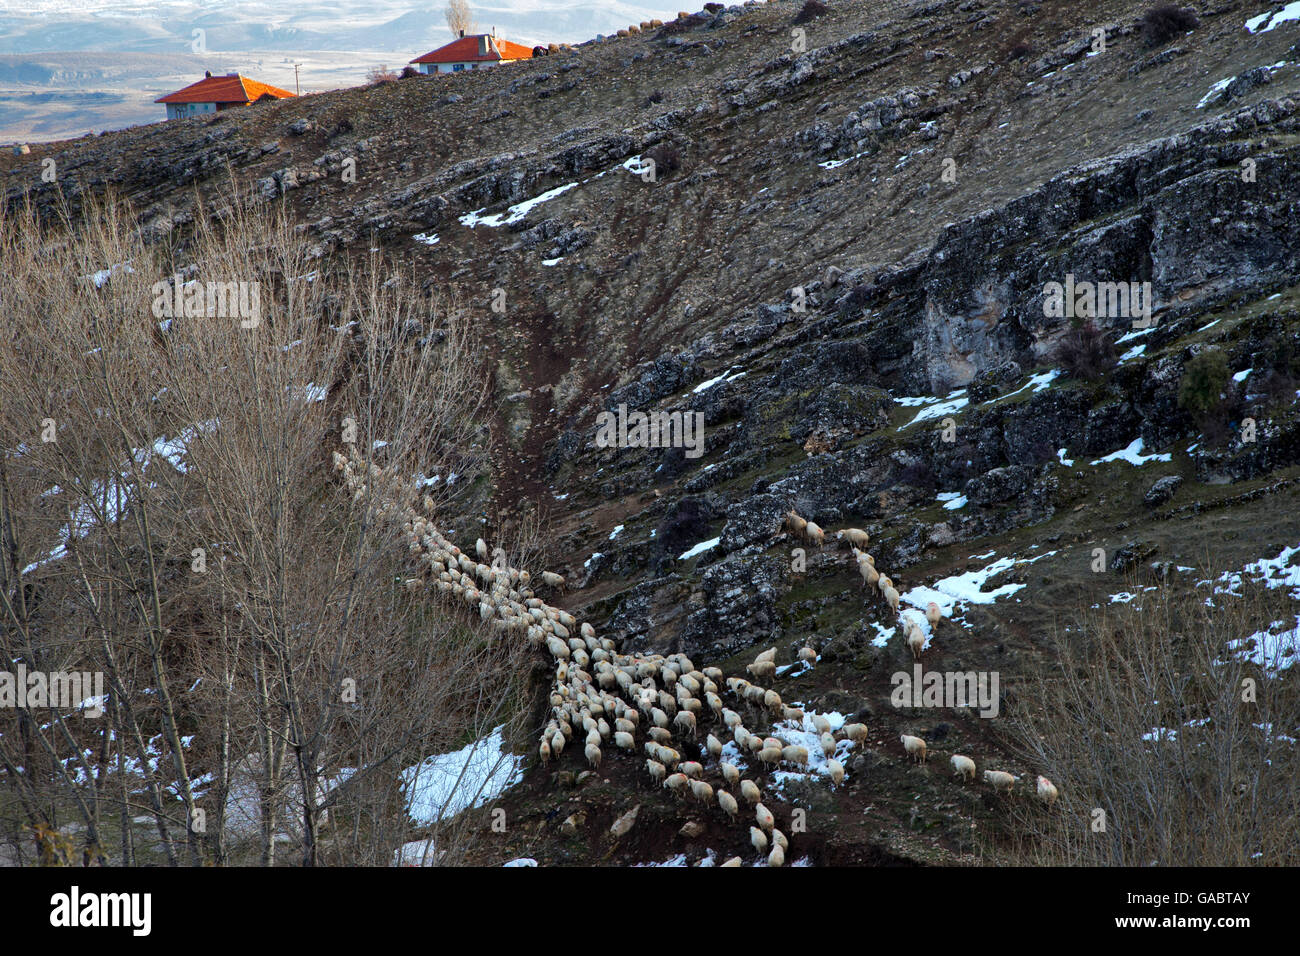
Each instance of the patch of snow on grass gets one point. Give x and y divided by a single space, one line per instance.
1133 455
445 784
724 377
1274 18
515 212
700 548
954 403
968 587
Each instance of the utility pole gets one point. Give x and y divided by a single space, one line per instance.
296 90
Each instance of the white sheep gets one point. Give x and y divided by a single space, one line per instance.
624 741
794 523
729 773
776 857
714 746
758 838
770 755
750 792
892 598
915 640
933 614
677 782
702 791
856 537
914 746
657 770
836 770
855 732
808 655
963 766
815 535
764 817
1047 790
691 768
734 861
828 745
795 755
999 779
728 804
553 580
686 721
593 755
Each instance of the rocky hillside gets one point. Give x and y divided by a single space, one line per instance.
841 263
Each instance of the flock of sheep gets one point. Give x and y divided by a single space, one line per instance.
611 697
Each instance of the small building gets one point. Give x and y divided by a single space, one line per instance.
212 94
473 52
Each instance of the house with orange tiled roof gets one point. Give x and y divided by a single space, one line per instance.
473 52
212 94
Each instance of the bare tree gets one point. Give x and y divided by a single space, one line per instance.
1167 737
460 18
168 518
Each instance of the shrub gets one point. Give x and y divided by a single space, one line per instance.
1086 352
684 527
380 74
919 474
1161 24
666 158
1205 377
410 71
1019 51
811 9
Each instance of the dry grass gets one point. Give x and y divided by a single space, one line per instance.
1155 719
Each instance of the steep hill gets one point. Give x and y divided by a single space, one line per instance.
841 264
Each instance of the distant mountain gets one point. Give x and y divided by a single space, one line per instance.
160 26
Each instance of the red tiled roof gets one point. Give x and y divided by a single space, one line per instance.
223 89
465 50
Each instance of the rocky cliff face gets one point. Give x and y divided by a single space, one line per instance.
841 266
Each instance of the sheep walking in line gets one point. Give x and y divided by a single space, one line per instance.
855 732
933 614
856 537
915 640
602 695
914 746
836 771
1047 791
999 779
963 766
